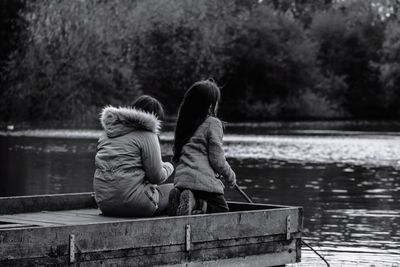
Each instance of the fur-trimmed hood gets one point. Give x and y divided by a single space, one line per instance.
122 120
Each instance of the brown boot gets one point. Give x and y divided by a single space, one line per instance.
186 204
173 201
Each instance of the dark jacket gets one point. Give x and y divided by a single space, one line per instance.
128 163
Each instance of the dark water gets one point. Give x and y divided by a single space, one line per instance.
349 186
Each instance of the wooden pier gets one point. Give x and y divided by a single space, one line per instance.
68 229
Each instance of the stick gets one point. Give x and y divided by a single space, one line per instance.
302 241
250 201
243 194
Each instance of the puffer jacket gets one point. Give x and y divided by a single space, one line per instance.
203 159
128 163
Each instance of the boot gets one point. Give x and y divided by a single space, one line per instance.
201 207
173 201
186 204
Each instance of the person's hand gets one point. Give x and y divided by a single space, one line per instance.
169 168
232 179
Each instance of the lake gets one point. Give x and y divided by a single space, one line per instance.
347 181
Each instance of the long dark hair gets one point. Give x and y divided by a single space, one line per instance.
150 105
200 101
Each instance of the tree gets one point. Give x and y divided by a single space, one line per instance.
349 39
272 62
181 42
74 61
390 68
301 10
11 24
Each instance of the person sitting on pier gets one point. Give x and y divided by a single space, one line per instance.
199 155
129 169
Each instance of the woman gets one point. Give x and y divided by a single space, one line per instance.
199 155
129 168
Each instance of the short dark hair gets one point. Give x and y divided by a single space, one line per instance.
149 104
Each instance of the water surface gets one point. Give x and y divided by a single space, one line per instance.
348 183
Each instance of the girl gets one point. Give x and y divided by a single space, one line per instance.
129 168
199 155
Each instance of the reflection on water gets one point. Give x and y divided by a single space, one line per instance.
358 150
353 217
44 166
349 186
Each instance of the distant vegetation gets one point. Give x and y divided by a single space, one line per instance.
275 59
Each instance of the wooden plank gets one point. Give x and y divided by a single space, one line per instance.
93 215
264 260
298 249
67 217
14 225
269 254
241 206
149 232
23 204
48 218
8 219
272 253
135 240
88 212
246 223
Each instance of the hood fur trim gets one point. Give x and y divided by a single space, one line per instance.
122 120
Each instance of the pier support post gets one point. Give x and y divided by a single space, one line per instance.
71 248
188 237
288 228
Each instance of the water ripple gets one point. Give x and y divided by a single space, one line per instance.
358 149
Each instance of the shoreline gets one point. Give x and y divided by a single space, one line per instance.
229 137
351 125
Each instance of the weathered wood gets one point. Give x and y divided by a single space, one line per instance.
72 217
11 205
26 222
149 231
273 253
14 225
260 229
137 233
23 204
240 206
269 254
188 239
288 227
72 248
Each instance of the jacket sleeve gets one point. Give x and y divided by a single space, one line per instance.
156 170
216 154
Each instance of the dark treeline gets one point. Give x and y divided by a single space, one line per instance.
277 59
